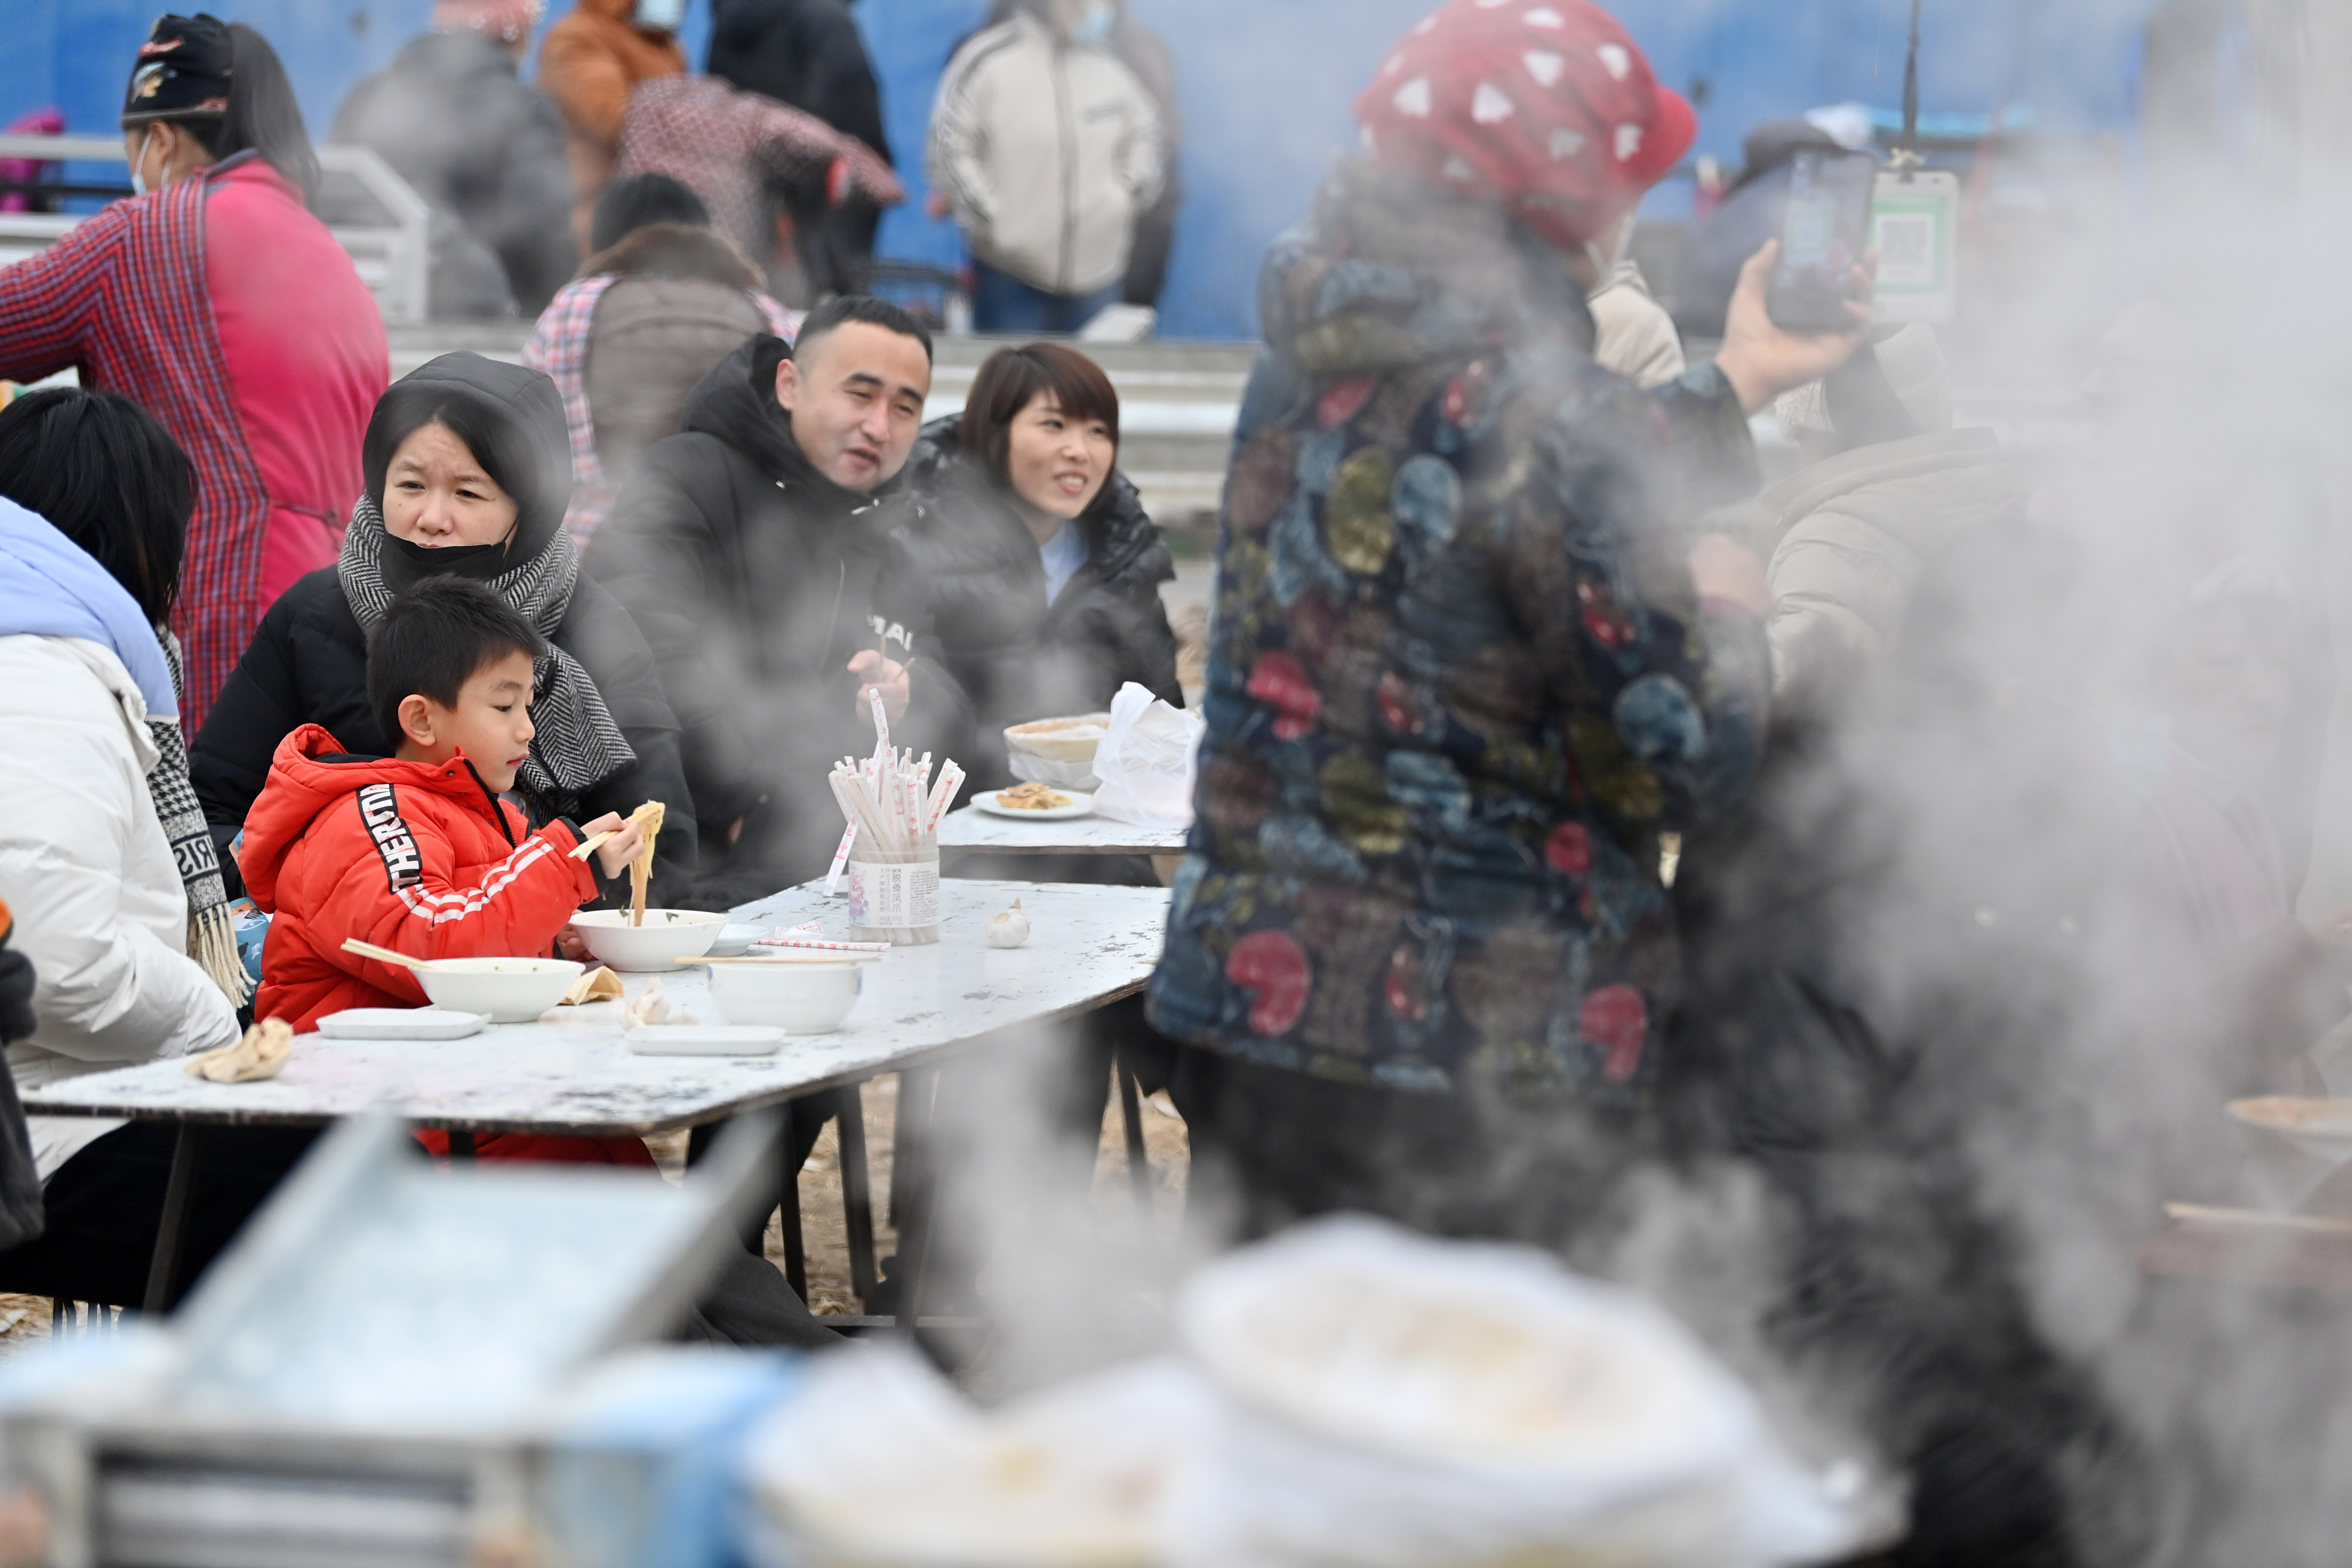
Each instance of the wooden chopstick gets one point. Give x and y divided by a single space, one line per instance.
384 954
2256 1219
594 842
804 955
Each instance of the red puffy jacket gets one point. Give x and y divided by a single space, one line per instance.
420 858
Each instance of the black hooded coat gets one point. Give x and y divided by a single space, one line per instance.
307 661
978 585
757 580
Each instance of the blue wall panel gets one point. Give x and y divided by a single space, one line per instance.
1266 85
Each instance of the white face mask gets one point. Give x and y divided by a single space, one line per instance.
137 180
1096 27
661 16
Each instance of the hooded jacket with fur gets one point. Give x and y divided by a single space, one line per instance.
420 858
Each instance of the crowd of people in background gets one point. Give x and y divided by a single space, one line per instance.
1053 145
1505 622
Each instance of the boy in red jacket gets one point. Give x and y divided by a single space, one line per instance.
416 852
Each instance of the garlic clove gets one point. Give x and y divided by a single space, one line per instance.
1009 928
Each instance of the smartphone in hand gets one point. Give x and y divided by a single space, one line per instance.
1823 238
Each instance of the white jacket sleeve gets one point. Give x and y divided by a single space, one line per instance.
1143 151
90 881
957 160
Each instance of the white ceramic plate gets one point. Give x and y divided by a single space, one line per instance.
401 1024
704 1040
1080 806
734 942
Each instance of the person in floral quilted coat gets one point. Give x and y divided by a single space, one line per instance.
1467 665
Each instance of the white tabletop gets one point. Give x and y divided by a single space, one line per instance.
974 829
1088 946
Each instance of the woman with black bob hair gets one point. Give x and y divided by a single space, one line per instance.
469 470
218 301
1035 564
104 860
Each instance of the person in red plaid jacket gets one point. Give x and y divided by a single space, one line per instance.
215 299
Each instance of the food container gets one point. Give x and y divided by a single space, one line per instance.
894 897
795 995
653 948
509 990
1058 751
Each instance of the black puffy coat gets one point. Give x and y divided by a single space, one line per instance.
977 584
756 579
307 665
487 151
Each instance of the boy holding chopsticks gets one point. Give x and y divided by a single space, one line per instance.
417 852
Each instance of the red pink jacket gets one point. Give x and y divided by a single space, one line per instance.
417 856
229 311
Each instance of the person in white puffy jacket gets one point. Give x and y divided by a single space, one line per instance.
89 861
1047 147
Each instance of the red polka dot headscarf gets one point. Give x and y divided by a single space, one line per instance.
1544 105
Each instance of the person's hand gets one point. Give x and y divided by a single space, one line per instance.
876 673
570 944
1723 568
628 842
1762 360
937 205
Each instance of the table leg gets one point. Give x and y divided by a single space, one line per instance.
172 1225
857 1193
1138 1159
788 1205
915 1202
461 1148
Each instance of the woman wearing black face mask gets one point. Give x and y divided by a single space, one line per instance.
468 469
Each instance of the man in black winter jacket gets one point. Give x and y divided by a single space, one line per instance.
753 549
809 54
487 152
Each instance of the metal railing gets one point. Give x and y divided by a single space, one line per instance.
373 212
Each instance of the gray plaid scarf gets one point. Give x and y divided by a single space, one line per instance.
212 931
578 746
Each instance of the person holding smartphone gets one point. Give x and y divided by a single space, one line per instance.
1467 667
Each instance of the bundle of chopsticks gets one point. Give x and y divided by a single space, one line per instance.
890 798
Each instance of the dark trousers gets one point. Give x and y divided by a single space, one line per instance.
1002 303
105 1204
1271 1148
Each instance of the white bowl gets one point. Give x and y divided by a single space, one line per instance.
1060 740
653 948
510 990
799 998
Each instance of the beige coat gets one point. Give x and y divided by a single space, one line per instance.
1632 334
1048 151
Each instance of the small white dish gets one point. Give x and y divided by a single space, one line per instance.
1080 806
799 998
704 1040
653 948
734 942
509 990
401 1024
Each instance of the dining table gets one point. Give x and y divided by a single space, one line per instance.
572 1072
